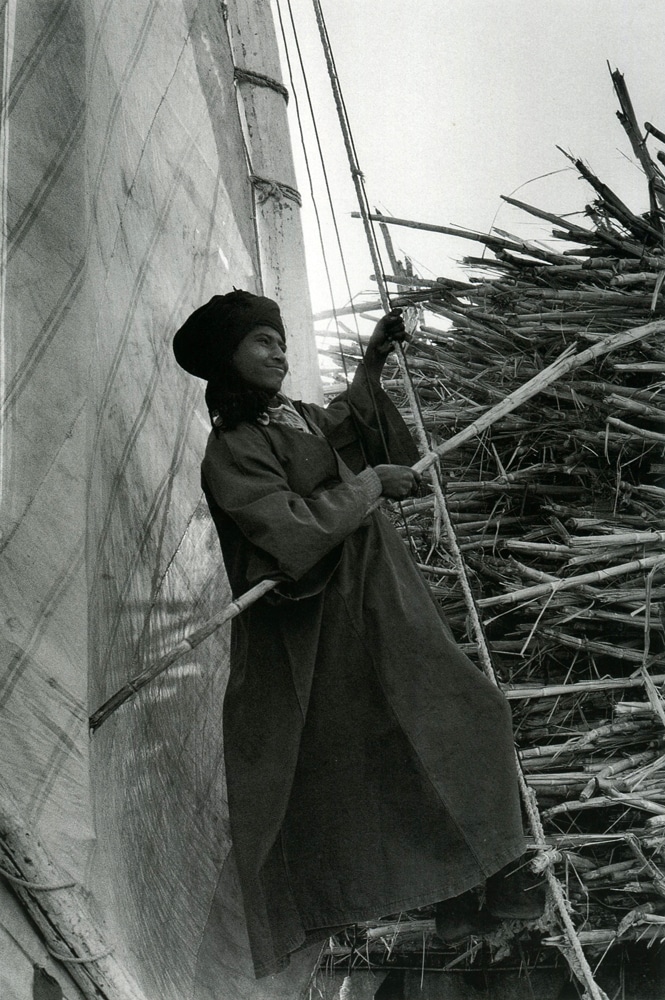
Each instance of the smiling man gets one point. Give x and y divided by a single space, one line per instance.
369 763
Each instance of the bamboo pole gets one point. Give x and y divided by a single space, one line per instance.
58 905
186 645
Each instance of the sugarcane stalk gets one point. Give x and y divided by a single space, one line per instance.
603 802
186 645
636 431
569 583
517 692
575 232
603 937
565 363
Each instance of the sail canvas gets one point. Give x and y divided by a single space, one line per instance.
127 201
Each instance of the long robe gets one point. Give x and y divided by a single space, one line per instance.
369 764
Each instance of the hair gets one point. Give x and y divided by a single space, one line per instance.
231 400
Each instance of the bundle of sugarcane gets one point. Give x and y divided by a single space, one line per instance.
559 513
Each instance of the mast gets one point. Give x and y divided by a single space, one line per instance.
263 99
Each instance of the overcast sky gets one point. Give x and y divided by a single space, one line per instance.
456 102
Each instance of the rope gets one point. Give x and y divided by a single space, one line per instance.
309 175
351 153
36 886
260 80
242 123
278 190
42 887
333 215
70 960
358 181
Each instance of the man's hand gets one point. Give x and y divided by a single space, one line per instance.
389 330
397 481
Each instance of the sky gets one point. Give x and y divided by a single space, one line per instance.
453 103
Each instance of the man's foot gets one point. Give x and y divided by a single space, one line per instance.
460 917
515 892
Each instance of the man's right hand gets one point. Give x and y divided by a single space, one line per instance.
397 481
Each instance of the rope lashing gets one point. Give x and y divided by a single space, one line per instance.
546 858
279 190
580 965
260 80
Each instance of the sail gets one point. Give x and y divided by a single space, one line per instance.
128 201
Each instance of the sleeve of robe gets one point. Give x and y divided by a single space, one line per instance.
289 533
364 426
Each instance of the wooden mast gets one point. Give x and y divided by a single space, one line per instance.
263 99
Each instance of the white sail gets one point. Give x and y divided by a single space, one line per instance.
127 202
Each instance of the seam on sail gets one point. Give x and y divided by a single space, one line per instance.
116 105
137 289
43 339
34 203
33 58
8 30
54 595
68 432
134 433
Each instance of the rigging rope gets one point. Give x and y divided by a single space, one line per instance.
333 215
313 198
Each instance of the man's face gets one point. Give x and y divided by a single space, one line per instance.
260 359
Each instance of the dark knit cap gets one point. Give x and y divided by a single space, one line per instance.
206 341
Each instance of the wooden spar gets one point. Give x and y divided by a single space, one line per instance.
189 642
59 907
564 364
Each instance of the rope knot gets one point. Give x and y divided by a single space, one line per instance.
545 858
269 188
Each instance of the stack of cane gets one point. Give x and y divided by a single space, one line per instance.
559 510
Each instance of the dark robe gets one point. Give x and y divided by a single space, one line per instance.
369 764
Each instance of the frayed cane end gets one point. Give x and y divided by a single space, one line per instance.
346 989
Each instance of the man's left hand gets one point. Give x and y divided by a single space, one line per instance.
389 330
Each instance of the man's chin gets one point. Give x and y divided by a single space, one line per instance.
273 385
